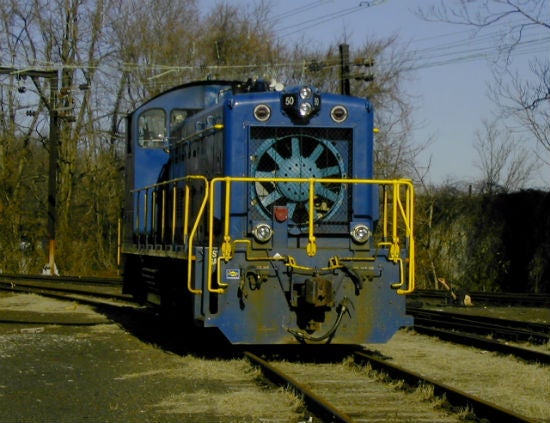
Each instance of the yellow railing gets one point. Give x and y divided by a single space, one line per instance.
397 217
402 216
187 235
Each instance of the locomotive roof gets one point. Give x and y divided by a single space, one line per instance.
188 85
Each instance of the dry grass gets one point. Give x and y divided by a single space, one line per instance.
227 389
502 380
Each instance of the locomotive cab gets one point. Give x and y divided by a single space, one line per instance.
150 130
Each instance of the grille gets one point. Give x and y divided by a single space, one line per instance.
301 153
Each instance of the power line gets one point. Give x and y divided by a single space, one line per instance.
457 46
313 22
298 10
424 58
465 47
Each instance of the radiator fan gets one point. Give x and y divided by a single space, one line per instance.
298 156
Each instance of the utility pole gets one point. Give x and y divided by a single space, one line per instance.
345 73
344 69
52 178
53 77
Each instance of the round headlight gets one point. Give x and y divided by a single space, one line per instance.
305 93
262 232
339 114
262 112
360 233
305 109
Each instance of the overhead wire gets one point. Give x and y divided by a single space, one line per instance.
426 59
297 10
458 46
312 22
465 46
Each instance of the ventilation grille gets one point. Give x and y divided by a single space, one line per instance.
301 153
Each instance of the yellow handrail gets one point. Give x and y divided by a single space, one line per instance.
174 209
397 216
188 237
194 231
406 214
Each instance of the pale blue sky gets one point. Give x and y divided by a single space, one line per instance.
450 84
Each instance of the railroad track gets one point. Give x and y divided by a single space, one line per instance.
92 291
482 332
87 280
484 343
354 399
511 330
487 298
334 394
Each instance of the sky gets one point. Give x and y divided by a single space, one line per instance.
450 83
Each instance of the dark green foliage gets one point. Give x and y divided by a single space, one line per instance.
525 234
496 242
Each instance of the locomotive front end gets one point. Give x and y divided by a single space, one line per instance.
298 255
256 212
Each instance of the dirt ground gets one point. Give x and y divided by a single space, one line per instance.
88 368
64 362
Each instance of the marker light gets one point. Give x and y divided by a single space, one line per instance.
262 112
339 114
360 233
262 232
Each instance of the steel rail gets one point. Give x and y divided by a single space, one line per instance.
481 408
316 404
73 294
488 298
85 280
506 328
484 343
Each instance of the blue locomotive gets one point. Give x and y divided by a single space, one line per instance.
253 209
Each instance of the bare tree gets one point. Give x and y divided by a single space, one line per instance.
518 18
503 161
239 42
21 165
65 37
156 44
518 26
526 101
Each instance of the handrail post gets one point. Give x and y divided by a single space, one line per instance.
174 210
311 248
145 216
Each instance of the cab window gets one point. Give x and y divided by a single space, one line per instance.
152 129
177 116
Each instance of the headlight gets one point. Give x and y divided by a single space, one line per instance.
302 103
305 93
305 109
360 233
262 232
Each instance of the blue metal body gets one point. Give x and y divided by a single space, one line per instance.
234 162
